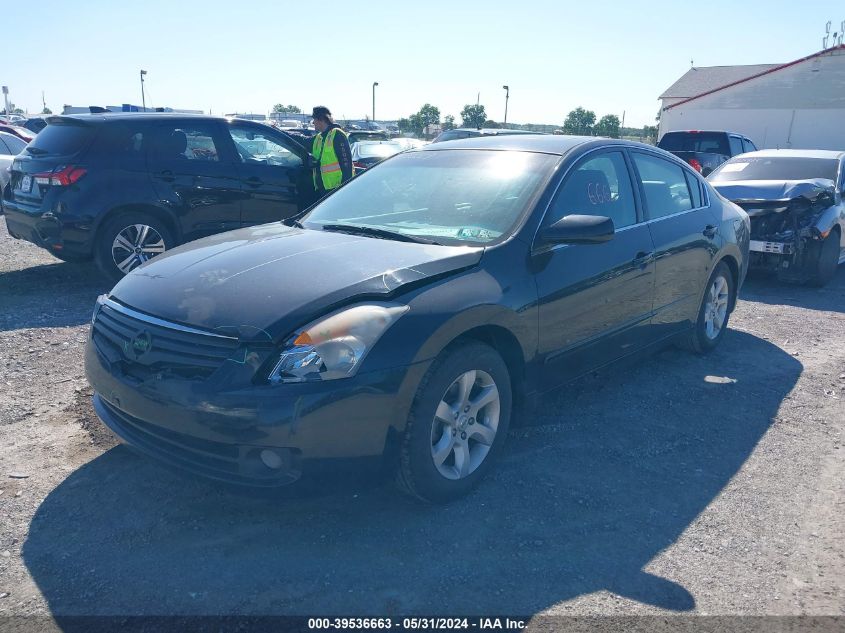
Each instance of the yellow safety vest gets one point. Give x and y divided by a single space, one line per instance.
330 173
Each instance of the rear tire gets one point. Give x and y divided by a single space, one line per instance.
457 424
128 240
824 256
713 315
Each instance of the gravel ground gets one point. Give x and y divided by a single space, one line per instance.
681 484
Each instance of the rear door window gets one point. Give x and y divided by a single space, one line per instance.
61 139
189 142
694 189
736 145
664 185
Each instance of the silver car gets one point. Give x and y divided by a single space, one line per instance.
10 146
795 201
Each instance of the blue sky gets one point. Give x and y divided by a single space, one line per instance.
609 57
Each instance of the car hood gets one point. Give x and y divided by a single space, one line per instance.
262 282
775 190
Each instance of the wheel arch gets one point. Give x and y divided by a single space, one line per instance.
157 212
505 343
733 266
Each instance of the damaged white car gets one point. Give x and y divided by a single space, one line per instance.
795 201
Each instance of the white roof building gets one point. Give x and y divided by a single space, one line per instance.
799 104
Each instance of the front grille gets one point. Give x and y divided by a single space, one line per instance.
145 346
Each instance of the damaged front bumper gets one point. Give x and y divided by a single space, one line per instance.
783 231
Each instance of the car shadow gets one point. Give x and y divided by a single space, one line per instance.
602 479
765 288
50 295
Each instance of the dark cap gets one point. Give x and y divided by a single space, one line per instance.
320 112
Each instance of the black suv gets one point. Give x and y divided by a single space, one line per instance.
704 151
122 188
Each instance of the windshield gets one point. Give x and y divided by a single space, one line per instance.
705 142
453 196
775 168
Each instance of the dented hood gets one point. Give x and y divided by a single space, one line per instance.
777 191
262 282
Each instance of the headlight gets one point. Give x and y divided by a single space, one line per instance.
99 304
333 346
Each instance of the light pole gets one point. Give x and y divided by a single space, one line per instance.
143 99
375 83
507 96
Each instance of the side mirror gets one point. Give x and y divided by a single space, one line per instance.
579 229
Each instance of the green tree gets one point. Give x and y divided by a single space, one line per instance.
427 115
448 122
579 121
286 109
650 133
473 115
46 111
404 126
608 125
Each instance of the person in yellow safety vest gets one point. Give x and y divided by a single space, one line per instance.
331 149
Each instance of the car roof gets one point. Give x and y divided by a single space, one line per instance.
794 153
542 143
101 117
704 132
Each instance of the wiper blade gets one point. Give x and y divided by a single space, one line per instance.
384 234
293 222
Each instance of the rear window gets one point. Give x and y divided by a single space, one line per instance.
775 168
707 142
61 140
379 150
14 144
451 135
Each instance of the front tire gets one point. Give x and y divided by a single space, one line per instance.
128 240
825 257
457 425
713 315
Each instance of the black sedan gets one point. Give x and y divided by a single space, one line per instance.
409 313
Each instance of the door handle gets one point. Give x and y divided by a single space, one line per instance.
254 181
166 175
643 259
710 231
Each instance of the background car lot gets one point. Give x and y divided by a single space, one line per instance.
712 484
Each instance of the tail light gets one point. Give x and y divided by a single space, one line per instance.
60 176
358 164
695 165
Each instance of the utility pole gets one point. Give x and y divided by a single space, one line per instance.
6 98
375 83
143 98
507 96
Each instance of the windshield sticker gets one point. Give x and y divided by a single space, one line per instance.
734 166
472 233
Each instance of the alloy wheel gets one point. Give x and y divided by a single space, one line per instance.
134 245
465 424
716 307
